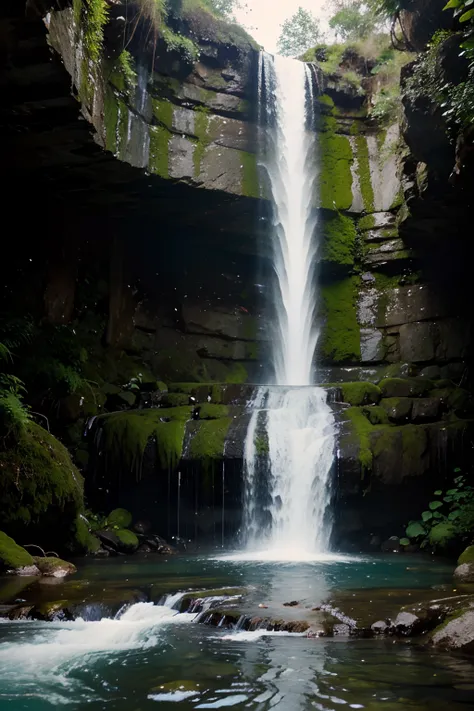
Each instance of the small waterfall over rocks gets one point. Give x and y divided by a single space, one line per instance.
290 440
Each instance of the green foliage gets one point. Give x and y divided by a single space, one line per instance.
94 16
176 42
455 101
126 64
448 516
355 20
221 8
299 33
14 414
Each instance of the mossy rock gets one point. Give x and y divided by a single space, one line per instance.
376 415
119 517
467 556
208 439
128 540
360 393
41 491
13 556
85 541
125 436
405 387
339 240
340 334
54 567
398 409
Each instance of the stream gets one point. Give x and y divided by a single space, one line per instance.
151 656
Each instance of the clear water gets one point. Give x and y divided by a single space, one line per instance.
153 659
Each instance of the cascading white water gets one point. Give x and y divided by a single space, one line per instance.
288 489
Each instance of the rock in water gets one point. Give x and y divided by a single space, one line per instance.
464 573
54 567
119 517
457 634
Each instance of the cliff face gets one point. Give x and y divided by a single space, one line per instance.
154 250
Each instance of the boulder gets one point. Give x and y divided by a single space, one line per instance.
119 517
464 573
404 387
54 567
14 558
120 540
398 409
425 409
406 624
457 634
380 627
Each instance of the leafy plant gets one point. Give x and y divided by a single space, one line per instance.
453 508
299 33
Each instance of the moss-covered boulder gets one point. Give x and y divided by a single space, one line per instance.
119 517
398 409
127 539
405 387
52 567
15 558
464 572
41 491
467 556
84 539
360 393
456 634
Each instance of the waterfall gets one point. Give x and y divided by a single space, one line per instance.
290 440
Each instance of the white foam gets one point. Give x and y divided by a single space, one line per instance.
288 555
57 647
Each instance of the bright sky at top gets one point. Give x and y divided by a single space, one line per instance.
263 18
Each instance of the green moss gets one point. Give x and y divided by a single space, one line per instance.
201 131
175 400
158 161
376 415
127 539
94 17
39 484
126 435
360 393
367 222
326 100
467 556
119 517
250 177
237 374
261 444
360 436
363 169
176 42
163 112
208 441
340 338
339 238
84 540
335 183
211 411
13 556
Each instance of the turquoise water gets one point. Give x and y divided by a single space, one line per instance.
152 658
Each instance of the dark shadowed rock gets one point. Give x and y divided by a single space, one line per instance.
392 545
406 624
380 627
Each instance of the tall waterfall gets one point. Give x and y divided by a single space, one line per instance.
290 440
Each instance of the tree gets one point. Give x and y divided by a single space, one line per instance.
299 33
354 21
222 8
